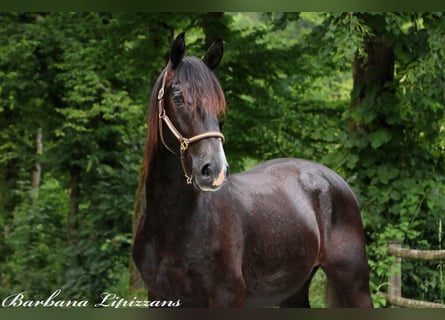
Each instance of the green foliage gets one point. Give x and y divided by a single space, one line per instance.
89 121
317 290
37 241
347 32
398 164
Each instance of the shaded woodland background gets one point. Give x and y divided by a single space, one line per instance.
361 93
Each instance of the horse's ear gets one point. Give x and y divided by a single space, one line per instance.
214 54
177 51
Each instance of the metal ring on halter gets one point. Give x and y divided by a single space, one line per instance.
184 144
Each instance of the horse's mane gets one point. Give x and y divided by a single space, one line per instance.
195 79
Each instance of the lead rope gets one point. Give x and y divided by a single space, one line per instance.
183 142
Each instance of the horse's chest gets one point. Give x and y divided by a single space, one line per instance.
177 276
171 276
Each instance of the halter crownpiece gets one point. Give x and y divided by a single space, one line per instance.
183 142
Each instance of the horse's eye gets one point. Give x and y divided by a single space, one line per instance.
178 99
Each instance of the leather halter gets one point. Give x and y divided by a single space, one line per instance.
183 142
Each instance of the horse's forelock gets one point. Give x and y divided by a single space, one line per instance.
197 80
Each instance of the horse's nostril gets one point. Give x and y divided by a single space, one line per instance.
205 171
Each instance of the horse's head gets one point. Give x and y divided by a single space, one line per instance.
190 99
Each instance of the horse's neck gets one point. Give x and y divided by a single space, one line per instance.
169 198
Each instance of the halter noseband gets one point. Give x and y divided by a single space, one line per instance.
183 142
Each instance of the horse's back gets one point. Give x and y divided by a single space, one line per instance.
309 182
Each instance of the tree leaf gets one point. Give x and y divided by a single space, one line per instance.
379 137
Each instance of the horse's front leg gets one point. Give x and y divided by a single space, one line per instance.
228 293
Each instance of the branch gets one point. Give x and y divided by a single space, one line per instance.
426 255
410 303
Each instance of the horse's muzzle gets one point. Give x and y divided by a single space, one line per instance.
211 177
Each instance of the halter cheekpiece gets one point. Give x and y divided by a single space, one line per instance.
183 142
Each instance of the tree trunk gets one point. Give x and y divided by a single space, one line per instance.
214 26
75 171
37 172
9 175
372 76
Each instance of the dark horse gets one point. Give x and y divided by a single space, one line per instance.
250 239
